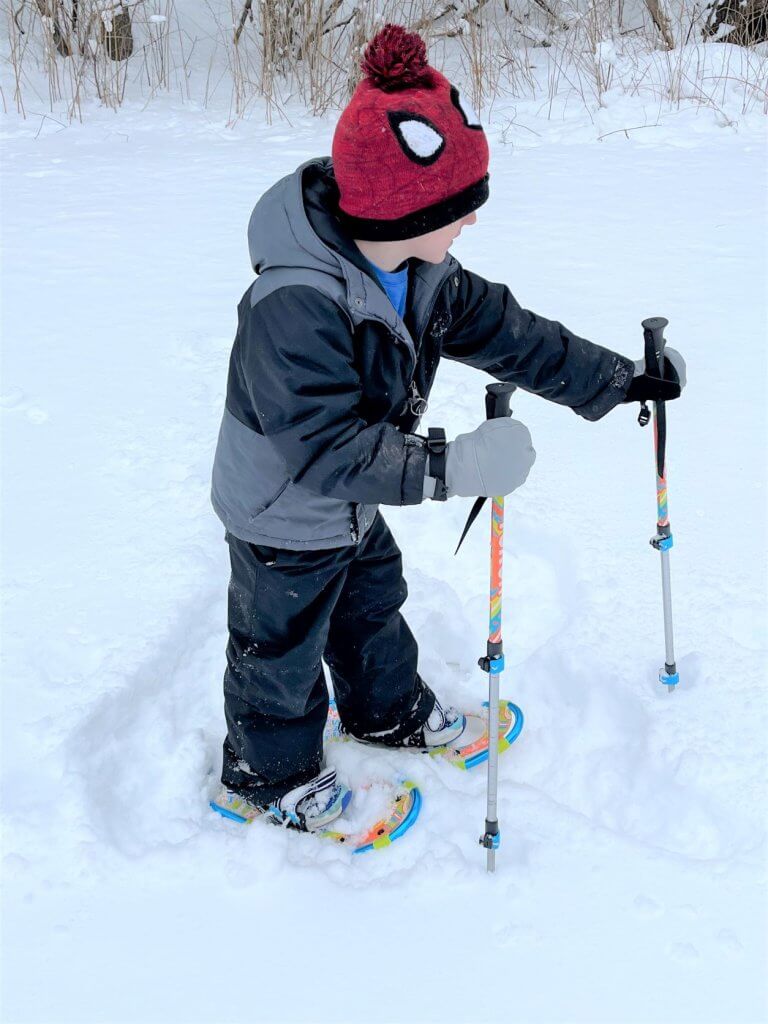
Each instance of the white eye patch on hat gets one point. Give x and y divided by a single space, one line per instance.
419 138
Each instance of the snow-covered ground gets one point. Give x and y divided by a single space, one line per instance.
631 879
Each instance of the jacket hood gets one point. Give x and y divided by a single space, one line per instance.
294 225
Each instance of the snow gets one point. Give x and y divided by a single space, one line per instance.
630 883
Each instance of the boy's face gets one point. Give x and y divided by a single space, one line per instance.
433 246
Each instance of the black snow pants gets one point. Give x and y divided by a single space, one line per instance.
287 611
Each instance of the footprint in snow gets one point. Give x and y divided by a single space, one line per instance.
143 751
683 952
647 908
13 399
728 940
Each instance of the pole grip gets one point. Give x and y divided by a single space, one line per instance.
653 333
497 399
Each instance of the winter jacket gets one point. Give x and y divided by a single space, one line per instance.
327 383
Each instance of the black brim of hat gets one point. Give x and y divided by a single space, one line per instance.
420 222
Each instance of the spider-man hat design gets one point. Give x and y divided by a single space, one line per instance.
409 153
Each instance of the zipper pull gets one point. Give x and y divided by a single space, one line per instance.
417 405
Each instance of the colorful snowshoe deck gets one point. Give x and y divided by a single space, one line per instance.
475 751
403 812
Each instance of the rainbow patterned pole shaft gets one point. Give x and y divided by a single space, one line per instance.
496 404
653 333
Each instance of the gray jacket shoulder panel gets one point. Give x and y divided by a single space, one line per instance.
283 277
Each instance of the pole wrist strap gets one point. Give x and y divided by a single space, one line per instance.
436 447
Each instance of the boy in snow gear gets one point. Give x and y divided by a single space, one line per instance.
338 342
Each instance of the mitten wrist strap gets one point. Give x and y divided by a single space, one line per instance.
436 446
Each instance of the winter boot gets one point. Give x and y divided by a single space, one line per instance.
308 808
444 727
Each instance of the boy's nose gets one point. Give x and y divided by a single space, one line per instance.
470 218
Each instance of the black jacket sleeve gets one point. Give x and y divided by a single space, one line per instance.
295 352
491 332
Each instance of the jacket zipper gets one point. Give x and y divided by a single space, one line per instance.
435 295
415 403
418 343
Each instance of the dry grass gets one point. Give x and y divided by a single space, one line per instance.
273 52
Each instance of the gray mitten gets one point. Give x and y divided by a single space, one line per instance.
493 460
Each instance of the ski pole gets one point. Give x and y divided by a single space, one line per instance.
497 398
653 334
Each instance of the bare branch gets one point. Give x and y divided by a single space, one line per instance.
661 21
243 18
17 15
548 10
449 8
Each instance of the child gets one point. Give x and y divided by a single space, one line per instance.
337 346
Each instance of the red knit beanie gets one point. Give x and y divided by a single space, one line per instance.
409 153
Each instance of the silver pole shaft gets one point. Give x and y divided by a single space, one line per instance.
666 594
663 532
493 757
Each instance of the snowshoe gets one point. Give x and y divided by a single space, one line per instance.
313 806
459 738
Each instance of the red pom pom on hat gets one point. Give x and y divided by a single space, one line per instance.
396 59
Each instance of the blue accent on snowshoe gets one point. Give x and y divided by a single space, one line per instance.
406 823
227 814
273 813
517 728
345 800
